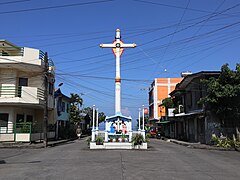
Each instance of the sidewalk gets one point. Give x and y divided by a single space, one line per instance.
200 146
35 145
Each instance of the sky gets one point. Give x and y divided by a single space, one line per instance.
171 36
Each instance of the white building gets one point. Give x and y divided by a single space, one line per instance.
22 92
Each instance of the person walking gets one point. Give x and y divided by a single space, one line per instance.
79 132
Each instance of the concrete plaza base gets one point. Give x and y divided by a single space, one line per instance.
117 145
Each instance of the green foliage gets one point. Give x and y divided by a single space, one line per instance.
76 103
101 117
225 142
223 93
89 112
74 114
167 102
89 140
99 140
138 139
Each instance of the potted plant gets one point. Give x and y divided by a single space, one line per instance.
99 140
138 140
110 140
123 137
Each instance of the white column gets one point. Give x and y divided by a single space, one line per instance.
139 121
106 136
97 120
130 136
93 128
143 118
143 129
118 77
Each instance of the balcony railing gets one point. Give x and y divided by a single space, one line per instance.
29 93
11 51
10 91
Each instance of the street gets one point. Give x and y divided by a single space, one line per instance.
163 160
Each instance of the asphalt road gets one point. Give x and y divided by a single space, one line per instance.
163 160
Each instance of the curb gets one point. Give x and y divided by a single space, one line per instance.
201 146
33 145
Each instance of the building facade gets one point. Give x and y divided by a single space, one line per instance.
22 89
159 90
191 122
62 112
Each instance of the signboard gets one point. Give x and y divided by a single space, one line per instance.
145 110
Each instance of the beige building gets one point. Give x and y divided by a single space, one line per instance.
22 92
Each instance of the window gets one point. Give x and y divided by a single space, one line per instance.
67 108
20 118
23 81
63 106
3 119
29 118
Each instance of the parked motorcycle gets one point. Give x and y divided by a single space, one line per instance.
158 135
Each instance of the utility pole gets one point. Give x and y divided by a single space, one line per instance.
45 121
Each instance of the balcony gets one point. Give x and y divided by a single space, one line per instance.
23 58
21 95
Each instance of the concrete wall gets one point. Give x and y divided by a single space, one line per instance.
31 56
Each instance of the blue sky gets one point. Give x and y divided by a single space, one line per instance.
172 37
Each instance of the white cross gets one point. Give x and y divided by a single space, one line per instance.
118 47
118 125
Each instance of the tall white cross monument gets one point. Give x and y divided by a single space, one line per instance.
117 48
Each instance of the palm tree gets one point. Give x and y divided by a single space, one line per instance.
76 103
76 100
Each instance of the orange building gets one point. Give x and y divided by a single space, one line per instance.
160 89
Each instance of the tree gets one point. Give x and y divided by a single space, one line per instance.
223 95
76 103
101 117
88 111
168 103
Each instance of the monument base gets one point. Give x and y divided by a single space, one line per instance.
117 145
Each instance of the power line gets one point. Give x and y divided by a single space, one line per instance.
154 40
13 2
180 21
173 6
55 7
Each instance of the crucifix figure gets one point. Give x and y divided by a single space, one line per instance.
117 48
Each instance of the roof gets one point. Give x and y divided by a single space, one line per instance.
58 93
3 41
120 116
183 84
